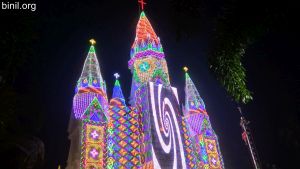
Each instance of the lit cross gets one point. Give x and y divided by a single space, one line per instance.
142 3
94 153
210 146
94 134
117 75
185 68
92 41
213 160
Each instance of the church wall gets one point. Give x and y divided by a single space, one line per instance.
125 137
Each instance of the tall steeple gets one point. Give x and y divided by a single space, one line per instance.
146 38
90 85
193 101
91 78
147 61
90 112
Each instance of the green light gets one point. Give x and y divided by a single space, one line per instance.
144 67
92 49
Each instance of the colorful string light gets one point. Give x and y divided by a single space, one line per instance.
151 133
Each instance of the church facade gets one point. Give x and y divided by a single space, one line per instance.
149 131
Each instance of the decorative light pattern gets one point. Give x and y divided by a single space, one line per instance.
82 100
92 147
95 135
145 126
166 130
91 78
151 133
192 159
200 128
143 73
147 61
110 151
193 100
139 55
94 153
213 156
144 31
93 138
125 137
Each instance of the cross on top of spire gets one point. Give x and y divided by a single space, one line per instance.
92 41
185 69
142 3
116 75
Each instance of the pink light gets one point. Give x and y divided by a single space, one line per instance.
210 146
214 161
81 101
94 153
95 134
158 55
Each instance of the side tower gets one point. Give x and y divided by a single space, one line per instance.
88 122
201 132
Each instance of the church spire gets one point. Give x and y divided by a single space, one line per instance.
117 91
90 87
147 59
193 101
91 78
145 40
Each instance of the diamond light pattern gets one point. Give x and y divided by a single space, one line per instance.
125 139
92 154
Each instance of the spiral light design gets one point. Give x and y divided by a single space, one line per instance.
166 130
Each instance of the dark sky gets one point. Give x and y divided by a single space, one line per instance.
270 62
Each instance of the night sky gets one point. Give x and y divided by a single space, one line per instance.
271 64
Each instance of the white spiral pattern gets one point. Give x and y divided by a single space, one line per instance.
166 129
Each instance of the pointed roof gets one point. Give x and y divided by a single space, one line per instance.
144 30
117 91
91 76
146 42
95 112
193 101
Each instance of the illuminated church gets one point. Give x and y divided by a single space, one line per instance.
151 129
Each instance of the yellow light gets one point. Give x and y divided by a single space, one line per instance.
92 41
185 68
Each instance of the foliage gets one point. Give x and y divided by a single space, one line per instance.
237 24
225 58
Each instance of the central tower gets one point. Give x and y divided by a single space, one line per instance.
147 60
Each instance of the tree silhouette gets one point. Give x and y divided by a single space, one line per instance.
236 25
